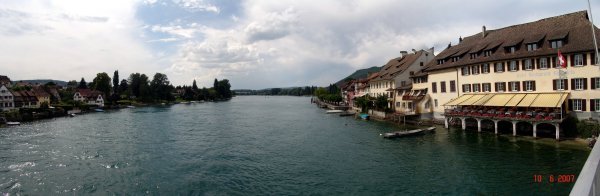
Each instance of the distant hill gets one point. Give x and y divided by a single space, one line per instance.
359 74
43 81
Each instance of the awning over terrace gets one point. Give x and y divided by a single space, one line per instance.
549 100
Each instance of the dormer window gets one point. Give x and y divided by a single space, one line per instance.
456 58
511 49
474 55
556 43
487 53
441 61
532 47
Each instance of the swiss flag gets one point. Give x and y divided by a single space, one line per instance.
561 60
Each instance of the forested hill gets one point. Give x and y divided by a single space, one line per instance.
358 74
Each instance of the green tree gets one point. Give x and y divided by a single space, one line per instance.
161 87
381 102
123 87
194 86
82 84
102 83
116 82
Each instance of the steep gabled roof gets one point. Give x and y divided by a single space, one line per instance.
398 65
575 27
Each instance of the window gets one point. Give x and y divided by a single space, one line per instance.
596 83
511 49
487 53
421 64
427 105
475 70
452 86
476 88
595 103
527 64
577 104
578 60
513 86
513 66
532 47
529 85
456 58
500 87
403 83
485 68
436 102
559 84
579 84
474 55
443 87
499 67
556 43
433 87
543 63
441 61
487 87
465 71
397 104
466 88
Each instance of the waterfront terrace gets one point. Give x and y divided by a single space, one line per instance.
520 60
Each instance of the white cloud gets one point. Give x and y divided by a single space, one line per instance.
197 5
69 40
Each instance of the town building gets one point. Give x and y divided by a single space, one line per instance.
25 99
6 99
513 76
41 95
4 80
395 83
88 96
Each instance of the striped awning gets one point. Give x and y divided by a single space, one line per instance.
550 100
458 100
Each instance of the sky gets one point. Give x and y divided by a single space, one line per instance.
255 44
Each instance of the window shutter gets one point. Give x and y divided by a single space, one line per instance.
496 87
480 89
517 65
584 58
593 58
519 86
494 67
523 64
553 62
570 105
572 60
504 65
533 61
583 101
566 84
504 87
533 85
573 84
537 63
585 83
593 83
593 105
510 86
463 88
554 84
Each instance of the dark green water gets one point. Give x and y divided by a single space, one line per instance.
266 146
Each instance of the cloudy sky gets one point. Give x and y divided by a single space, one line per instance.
255 43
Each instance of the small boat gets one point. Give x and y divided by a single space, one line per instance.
130 106
13 123
98 110
334 111
364 116
407 133
71 115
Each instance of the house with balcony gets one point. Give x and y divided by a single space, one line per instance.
513 77
395 83
91 97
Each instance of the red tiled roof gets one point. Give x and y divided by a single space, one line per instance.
575 27
396 66
89 93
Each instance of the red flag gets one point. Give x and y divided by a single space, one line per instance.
561 60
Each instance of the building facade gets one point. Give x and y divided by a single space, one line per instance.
516 74
6 99
88 96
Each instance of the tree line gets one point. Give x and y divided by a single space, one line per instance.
140 87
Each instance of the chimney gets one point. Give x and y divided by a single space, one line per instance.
483 31
403 53
449 45
459 39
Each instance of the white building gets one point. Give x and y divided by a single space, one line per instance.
6 99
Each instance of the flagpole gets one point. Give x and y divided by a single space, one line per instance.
593 34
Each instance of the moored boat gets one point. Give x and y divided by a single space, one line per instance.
364 116
98 110
407 133
13 123
334 111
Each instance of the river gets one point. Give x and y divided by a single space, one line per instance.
254 145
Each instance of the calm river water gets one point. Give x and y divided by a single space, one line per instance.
267 145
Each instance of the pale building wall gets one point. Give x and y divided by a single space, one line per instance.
441 98
6 99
